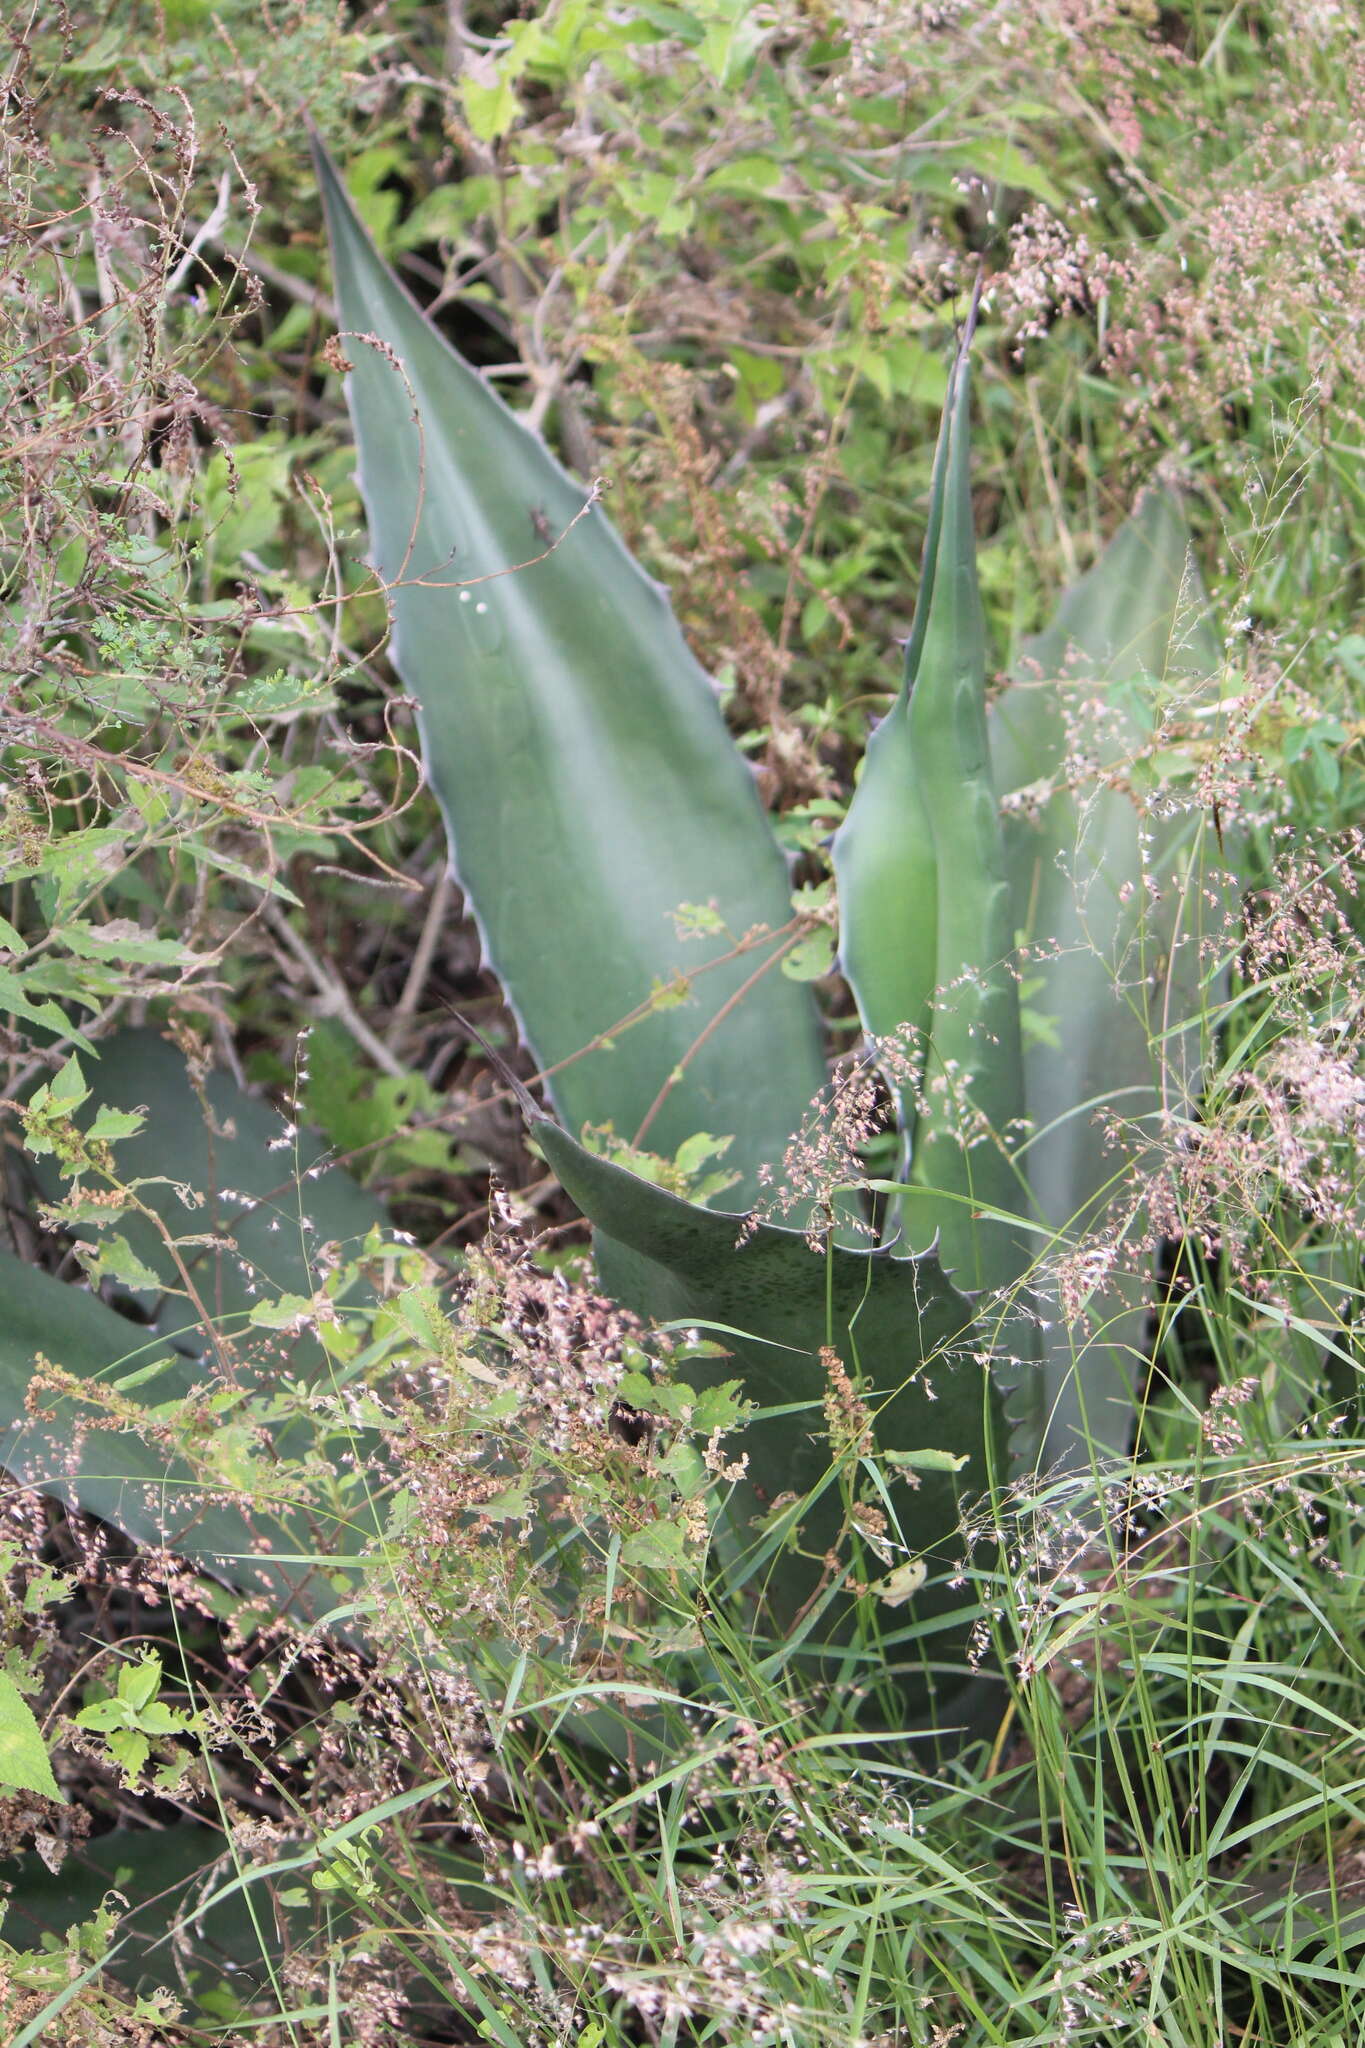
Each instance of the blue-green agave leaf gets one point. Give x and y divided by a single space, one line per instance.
257 1215
1120 903
927 938
161 1877
896 1323
92 1456
216 1163
589 786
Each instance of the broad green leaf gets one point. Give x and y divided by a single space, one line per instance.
729 46
578 751
926 1460
79 1453
139 1683
185 1894
1001 162
111 1257
660 1546
258 1217
162 1876
886 868
1119 963
16 1001
122 940
897 1322
927 932
24 1765
227 864
226 1168
488 96
755 174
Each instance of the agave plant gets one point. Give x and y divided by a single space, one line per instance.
592 795
583 770
1018 929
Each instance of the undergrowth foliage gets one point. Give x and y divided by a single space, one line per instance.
506 1753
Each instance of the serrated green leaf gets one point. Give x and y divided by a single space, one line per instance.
156 1718
283 696
757 174
111 1124
685 1467
151 800
15 999
100 1716
898 1322
122 940
659 1546
489 99
66 1448
513 1504
67 1089
636 1388
141 1681
273 1201
73 863
227 864
113 1258
588 783
284 1312
24 1765
130 1750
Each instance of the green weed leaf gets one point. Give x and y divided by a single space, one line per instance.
24 1765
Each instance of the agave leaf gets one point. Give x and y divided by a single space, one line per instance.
899 1322
77 1453
886 869
219 1166
588 783
162 1876
926 932
188 1897
225 1166
1119 964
